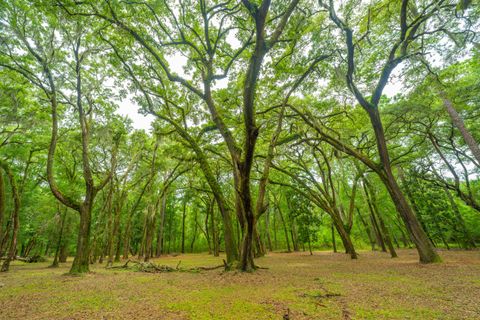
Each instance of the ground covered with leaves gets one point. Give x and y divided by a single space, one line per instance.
322 286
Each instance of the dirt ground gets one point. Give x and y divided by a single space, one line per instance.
322 286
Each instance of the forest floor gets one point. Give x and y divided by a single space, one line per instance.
322 286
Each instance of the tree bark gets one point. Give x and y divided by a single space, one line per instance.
15 216
267 231
163 206
184 215
468 240
372 204
60 238
284 227
81 260
2 210
426 251
342 232
367 229
334 243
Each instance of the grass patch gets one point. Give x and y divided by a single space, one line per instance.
322 286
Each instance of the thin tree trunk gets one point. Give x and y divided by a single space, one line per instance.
194 233
267 230
372 203
378 232
415 207
184 215
309 242
284 227
161 227
468 239
275 241
64 248
2 210
15 216
60 238
367 230
149 229
334 243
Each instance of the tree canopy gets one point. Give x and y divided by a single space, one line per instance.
278 125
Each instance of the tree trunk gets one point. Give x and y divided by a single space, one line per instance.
118 246
267 230
367 229
114 232
149 229
126 237
458 122
372 204
411 198
334 243
163 206
275 241
426 251
309 242
209 208
184 215
259 245
15 216
467 237
293 231
194 233
284 227
63 252
2 210
81 260
344 235
440 233
60 238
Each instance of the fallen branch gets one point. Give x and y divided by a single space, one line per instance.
151 267
31 259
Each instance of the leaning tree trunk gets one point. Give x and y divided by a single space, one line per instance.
458 122
344 235
468 240
372 204
425 249
367 229
284 227
259 244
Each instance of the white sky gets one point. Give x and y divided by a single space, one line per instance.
130 108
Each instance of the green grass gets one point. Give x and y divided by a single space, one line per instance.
323 286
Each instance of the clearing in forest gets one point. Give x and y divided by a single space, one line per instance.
322 286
